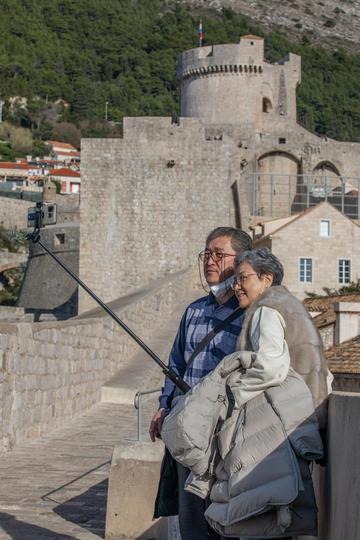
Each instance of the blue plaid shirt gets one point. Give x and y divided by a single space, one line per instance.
200 318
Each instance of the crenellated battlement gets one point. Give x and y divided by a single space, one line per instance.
222 58
241 69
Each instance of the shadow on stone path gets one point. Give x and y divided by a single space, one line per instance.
19 530
87 510
55 487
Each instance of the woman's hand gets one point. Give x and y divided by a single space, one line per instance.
156 424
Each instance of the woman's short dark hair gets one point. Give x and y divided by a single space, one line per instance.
240 240
263 262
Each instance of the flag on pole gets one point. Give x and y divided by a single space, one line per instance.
201 33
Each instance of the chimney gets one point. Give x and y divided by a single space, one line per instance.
347 324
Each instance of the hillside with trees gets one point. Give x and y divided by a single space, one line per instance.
79 66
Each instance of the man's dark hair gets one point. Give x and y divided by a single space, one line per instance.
240 240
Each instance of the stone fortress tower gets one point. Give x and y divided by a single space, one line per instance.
236 151
232 84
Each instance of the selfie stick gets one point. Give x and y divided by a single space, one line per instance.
35 238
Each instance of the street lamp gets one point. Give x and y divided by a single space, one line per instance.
106 110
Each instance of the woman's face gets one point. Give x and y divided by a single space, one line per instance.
249 285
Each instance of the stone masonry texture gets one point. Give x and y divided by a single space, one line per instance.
148 202
51 372
13 213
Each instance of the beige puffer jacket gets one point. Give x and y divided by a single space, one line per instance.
256 460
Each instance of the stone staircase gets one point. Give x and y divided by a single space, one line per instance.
142 373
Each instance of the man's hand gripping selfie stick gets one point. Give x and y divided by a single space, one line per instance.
36 217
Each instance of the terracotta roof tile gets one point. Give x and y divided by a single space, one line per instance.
64 172
14 166
345 358
73 153
60 144
325 319
323 303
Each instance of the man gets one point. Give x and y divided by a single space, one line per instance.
199 319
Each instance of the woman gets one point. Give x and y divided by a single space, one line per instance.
258 277
257 465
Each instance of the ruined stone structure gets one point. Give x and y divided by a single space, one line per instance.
149 199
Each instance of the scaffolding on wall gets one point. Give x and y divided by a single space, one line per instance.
280 195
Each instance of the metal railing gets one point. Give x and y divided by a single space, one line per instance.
137 404
280 195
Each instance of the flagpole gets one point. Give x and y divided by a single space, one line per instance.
201 33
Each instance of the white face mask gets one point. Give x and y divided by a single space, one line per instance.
220 288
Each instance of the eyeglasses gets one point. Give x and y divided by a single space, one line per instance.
216 256
241 279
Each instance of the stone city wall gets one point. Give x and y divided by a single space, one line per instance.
13 213
50 372
149 200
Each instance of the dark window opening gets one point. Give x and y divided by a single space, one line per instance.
59 239
282 140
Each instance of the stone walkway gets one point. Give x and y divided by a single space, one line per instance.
56 487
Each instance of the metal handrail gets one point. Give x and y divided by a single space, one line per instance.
137 405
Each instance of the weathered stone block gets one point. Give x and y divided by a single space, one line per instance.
133 481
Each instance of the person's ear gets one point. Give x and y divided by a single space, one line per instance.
268 280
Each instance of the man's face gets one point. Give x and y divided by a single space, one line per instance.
219 260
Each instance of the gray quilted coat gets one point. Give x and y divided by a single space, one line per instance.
253 459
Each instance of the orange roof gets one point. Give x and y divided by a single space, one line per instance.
10 165
345 357
73 153
60 144
64 172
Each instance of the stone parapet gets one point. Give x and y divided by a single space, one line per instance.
53 371
13 213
